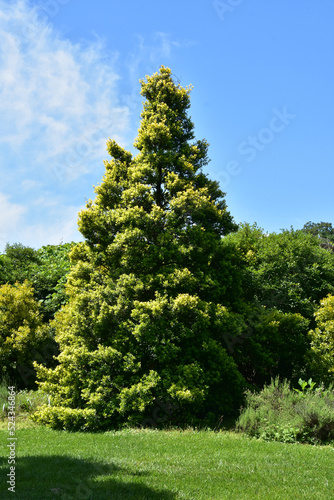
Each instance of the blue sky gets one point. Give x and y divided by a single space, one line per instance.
263 77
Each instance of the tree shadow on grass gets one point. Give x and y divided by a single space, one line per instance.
67 478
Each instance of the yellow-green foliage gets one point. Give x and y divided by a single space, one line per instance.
65 418
144 318
322 339
21 331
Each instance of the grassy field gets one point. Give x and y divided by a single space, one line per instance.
163 465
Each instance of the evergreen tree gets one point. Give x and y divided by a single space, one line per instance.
152 289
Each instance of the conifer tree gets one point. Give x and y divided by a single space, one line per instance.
152 289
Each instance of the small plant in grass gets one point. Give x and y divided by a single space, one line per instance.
26 402
4 398
29 401
280 413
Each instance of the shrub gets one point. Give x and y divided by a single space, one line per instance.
280 413
63 418
23 337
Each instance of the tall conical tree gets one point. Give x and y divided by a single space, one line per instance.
149 287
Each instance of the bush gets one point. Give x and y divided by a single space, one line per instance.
45 269
280 413
63 418
23 337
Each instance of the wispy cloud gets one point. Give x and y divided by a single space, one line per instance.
62 229
12 214
47 220
54 94
149 54
59 102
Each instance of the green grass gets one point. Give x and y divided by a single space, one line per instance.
163 465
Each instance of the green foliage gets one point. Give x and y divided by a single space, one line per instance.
274 343
17 263
22 336
303 384
283 277
322 340
64 418
281 414
320 229
46 269
148 285
287 271
49 278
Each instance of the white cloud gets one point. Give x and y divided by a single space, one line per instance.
54 95
11 215
61 226
20 225
59 102
149 53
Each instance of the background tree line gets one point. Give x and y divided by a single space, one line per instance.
279 284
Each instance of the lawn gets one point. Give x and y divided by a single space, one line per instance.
163 465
